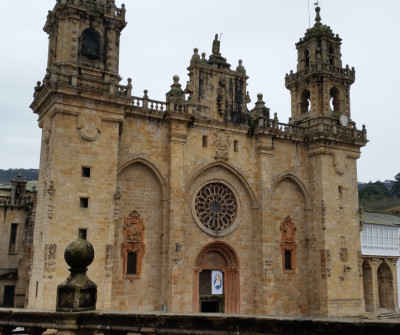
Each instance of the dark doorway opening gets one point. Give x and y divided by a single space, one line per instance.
8 300
210 306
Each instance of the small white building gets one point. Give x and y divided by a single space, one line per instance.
380 251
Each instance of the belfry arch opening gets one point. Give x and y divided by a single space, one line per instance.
331 57
305 103
91 44
216 280
334 100
306 57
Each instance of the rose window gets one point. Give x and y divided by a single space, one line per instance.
215 207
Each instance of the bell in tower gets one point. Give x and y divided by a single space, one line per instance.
321 86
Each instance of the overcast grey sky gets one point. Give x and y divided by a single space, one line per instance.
158 43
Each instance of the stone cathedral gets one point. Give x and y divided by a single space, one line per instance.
202 202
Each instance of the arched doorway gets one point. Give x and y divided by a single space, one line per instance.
385 286
217 258
368 287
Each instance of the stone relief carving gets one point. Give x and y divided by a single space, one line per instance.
288 241
339 163
323 211
117 198
50 190
344 255
109 259
133 242
89 125
325 263
50 251
222 144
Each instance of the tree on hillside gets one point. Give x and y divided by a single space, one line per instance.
396 186
374 191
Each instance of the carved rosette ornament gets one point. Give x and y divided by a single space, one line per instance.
133 244
221 143
215 209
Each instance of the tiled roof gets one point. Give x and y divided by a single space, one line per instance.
381 219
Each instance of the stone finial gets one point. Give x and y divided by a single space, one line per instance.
317 16
196 57
203 57
77 293
240 68
260 108
176 94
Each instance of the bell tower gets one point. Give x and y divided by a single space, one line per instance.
321 86
80 106
85 34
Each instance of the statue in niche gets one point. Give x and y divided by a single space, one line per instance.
222 96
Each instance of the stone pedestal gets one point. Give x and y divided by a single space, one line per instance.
77 293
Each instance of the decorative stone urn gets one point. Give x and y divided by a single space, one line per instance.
77 293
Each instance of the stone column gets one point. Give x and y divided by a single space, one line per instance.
177 137
375 294
265 149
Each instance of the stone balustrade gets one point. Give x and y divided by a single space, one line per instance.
6 201
106 6
346 72
14 321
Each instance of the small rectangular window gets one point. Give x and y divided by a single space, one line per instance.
340 189
86 172
131 262
205 141
84 202
13 238
82 233
236 145
288 260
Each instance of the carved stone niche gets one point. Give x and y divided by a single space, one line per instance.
288 245
133 247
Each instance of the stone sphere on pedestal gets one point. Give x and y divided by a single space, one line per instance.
77 293
79 254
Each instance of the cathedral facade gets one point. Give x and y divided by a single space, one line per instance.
198 203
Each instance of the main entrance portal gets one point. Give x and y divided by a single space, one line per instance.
216 280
